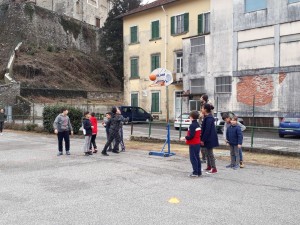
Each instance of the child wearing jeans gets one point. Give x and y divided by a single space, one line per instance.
87 131
234 138
193 140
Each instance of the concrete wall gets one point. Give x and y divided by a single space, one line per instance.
267 61
146 47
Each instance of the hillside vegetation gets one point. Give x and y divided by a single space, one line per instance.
63 69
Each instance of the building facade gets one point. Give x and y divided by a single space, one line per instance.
249 59
93 12
153 37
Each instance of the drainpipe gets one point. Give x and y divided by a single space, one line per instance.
166 33
166 60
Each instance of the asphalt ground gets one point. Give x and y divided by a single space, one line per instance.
37 187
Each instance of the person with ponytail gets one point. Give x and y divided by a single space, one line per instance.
209 137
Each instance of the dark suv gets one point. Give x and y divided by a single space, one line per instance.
135 114
220 122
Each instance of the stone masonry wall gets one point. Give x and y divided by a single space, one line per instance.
31 24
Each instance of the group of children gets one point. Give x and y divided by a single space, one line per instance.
113 124
206 139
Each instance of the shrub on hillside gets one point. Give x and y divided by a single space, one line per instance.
51 112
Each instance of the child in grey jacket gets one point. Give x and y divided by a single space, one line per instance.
62 127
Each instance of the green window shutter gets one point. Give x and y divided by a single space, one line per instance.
155 62
172 25
152 63
155 29
200 24
186 22
133 34
134 68
152 30
155 102
134 100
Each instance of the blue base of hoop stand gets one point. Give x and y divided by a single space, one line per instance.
167 142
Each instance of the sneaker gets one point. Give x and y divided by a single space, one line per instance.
68 153
95 151
86 153
104 153
229 166
90 153
115 151
193 175
212 171
59 153
242 165
123 150
208 168
236 167
109 150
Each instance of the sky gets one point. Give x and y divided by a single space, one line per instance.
147 1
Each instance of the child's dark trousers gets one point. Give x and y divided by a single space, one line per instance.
195 159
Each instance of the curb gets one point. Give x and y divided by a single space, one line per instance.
245 149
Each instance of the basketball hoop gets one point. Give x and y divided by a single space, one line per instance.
161 77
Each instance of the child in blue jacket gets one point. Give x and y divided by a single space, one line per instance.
234 138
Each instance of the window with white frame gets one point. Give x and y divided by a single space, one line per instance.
179 62
180 24
255 5
198 45
197 86
204 23
224 84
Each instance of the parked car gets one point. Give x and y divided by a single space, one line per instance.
290 125
185 121
135 114
220 122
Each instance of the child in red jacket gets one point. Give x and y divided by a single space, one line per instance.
193 140
94 122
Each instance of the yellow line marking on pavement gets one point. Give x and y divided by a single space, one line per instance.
174 201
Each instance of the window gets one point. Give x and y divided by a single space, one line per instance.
204 23
198 45
255 5
293 1
155 62
223 85
180 24
134 67
179 62
97 22
133 34
155 30
135 99
155 102
197 86
194 105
